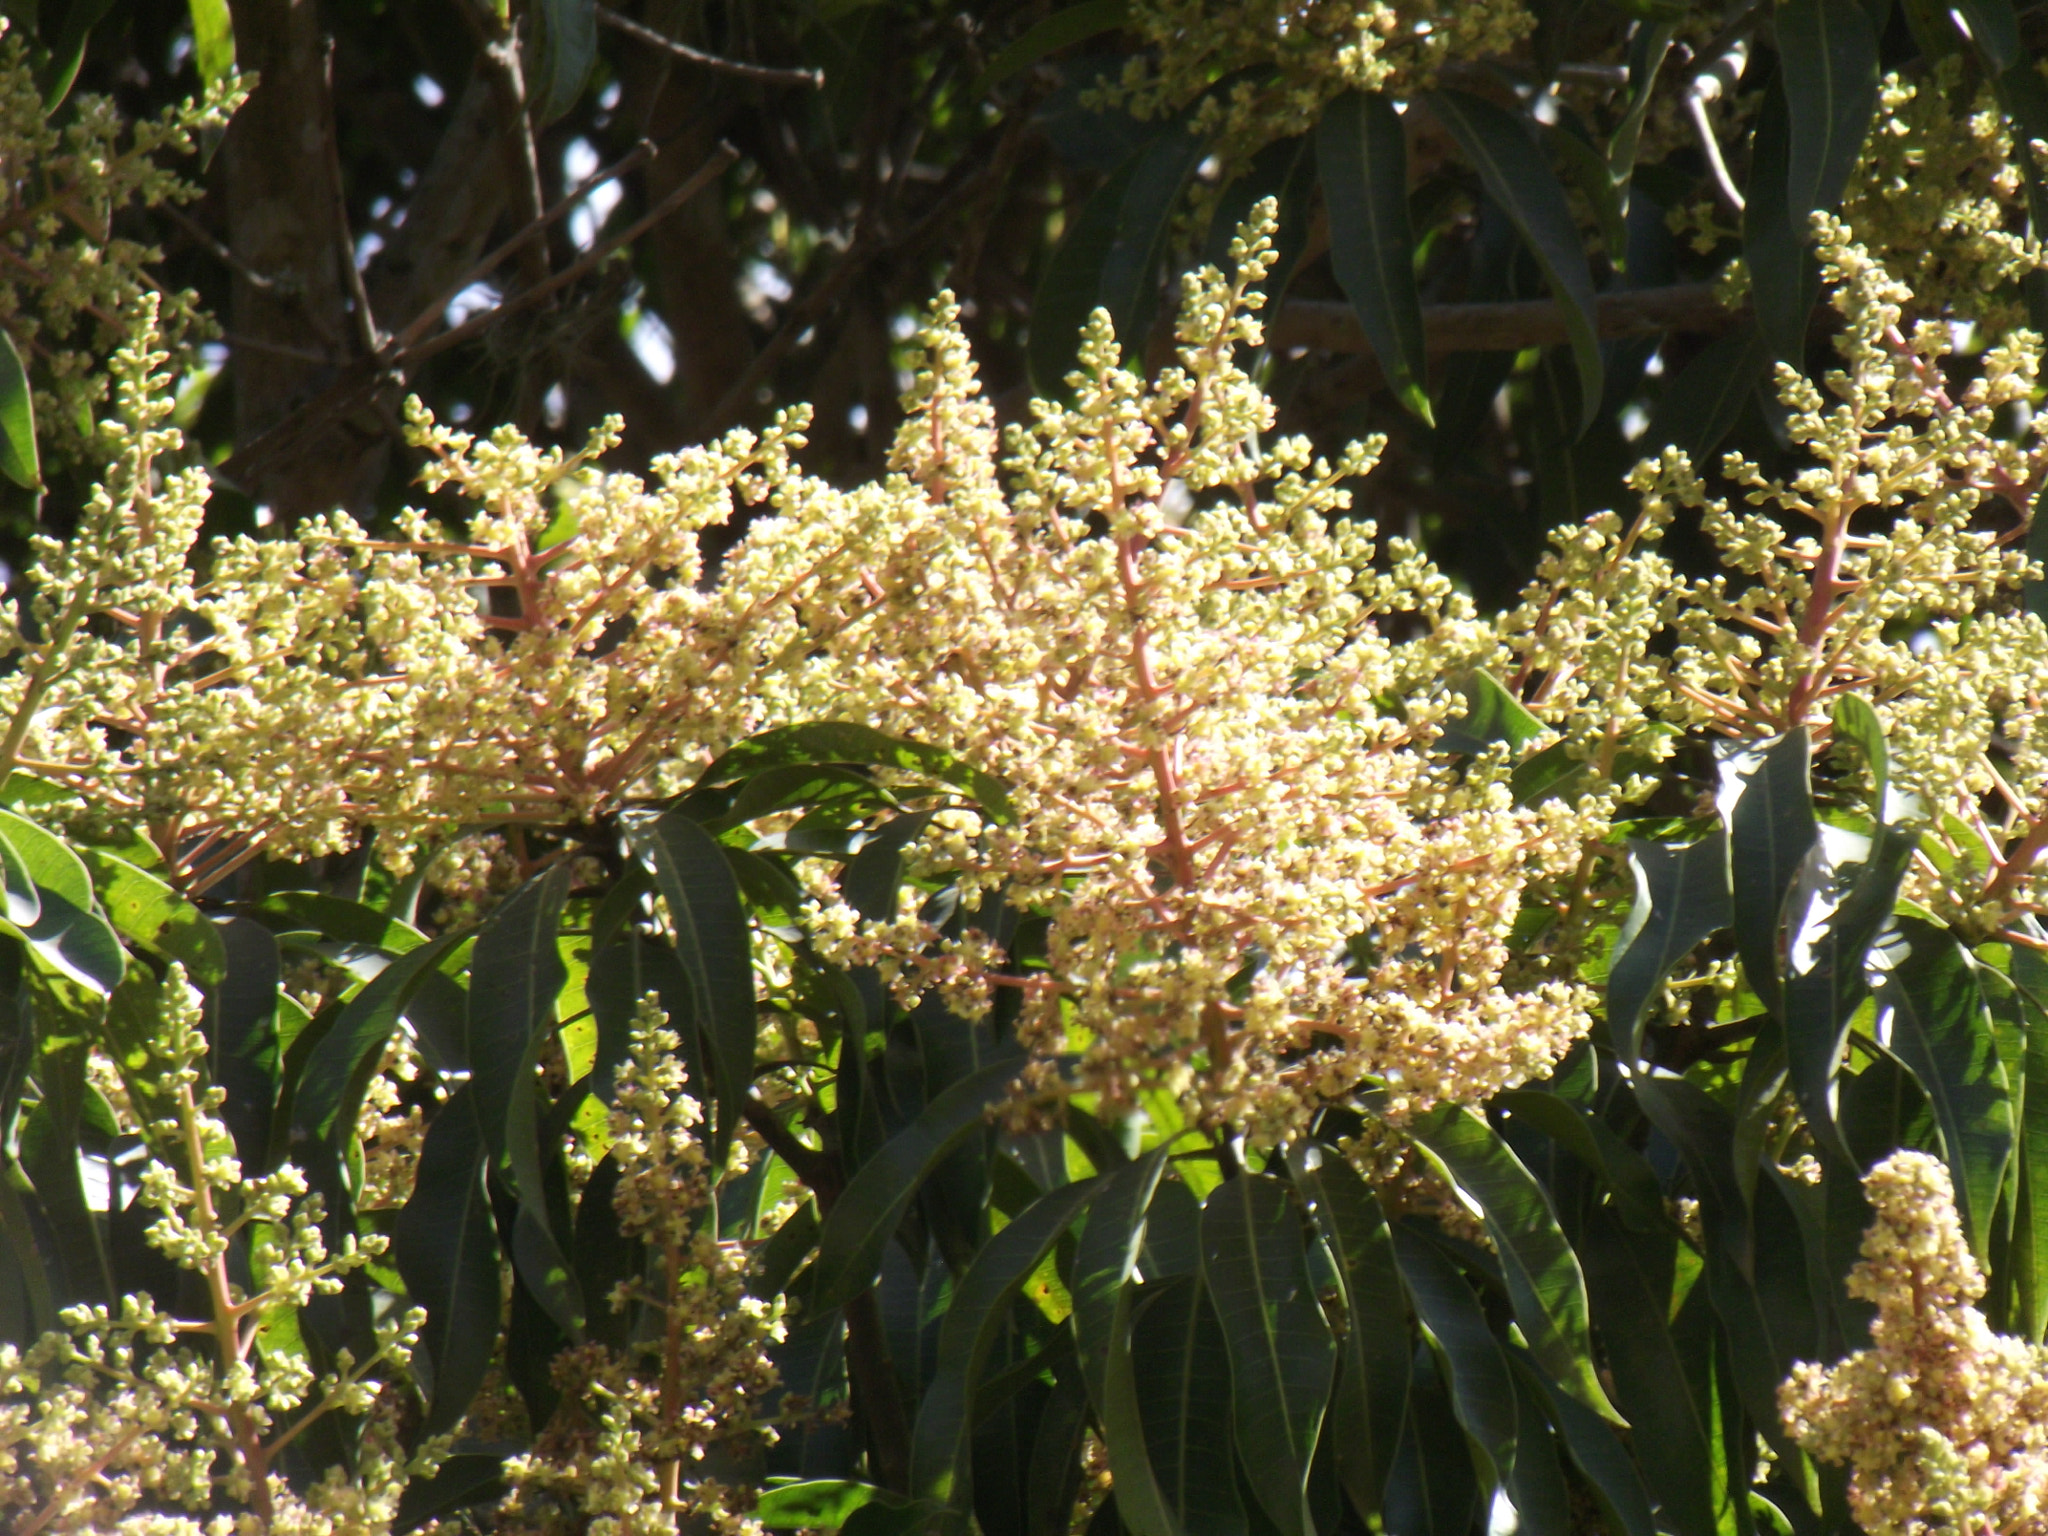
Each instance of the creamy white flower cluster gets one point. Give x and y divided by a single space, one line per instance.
633 1463
116 1422
1943 1423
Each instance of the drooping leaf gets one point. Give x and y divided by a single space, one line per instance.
1372 1386
1180 1371
337 920
716 952
871 1207
69 937
19 459
1482 1389
213 40
1492 714
2030 1225
1681 898
564 49
1104 1259
1434 1489
156 917
1544 1282
1857 722
1784 279
246 1058
1701 404
1595 1450
1828 52
1063 28
1282 1357
1821 1000
1362 156
338 1070
1638 1198
1112 254
1942 1032
942 1440
1767 805
839 741
446 1248
465 1479
819 1504
1518 177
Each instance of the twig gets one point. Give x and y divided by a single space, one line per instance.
765 74
367 334
200 235
1710 147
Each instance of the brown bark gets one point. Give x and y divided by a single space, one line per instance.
450 215
294 331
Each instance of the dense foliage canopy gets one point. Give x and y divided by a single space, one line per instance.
1202 769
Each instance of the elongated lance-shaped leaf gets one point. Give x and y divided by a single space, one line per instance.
338 1071
1638 1197
1141 1502
1821 1000
1104 1258
1282 1357
1681 898
213 40
1828 52
1631 1278
1065 26
1482 1389
516 974
712 941
1545 1285
446 1248
1766 802
1431 1492
1362 156
1180 1369
1372 1386
69 937
563 52
1492 714
2030 1217
242 1030
1700 407
156 917
1645 58
840 741
19 459
1519 179
1601 1457
1856 721
871 1207
1784 280
942 1442
1942 1031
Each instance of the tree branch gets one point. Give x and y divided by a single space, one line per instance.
765 74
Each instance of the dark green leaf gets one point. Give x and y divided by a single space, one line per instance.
1681 898
1061 29
1544 1284
1114 256
875 873
242 1028
446 1248
1821 1001
516 973
336 919
1768 807
821 1504
1995 29
156 917
1362 156
1598 1454
465 1479
868 1211
1856 721
19 459
1180 1370
19 902
1942 1032
68 936
1492 714
942 1441
338 1070
1434 1487
1282 1357
2030 1225
564 49
1784 280
837 741
1518 177
1700 406
1372 1385
1482 1388
1638 1198
1103 1261
1828 52
716 952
